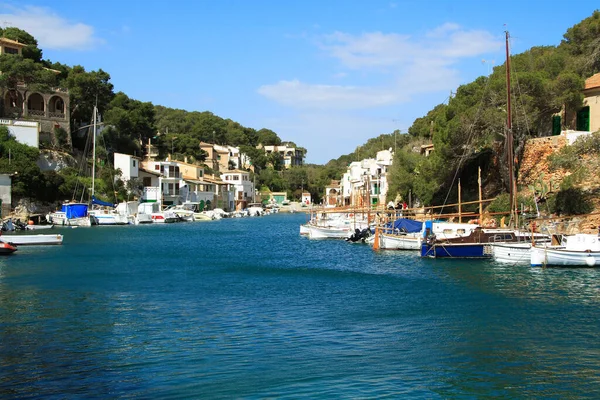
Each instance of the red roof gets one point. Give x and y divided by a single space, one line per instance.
593 81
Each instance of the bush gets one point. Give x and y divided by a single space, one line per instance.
571 201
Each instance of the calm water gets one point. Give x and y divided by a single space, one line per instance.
246 308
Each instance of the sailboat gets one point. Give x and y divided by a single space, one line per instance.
105 213
77 213
480 243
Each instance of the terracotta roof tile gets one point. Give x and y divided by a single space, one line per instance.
593 81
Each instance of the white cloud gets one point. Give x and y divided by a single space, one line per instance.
408 64
298 94
328 135
51 30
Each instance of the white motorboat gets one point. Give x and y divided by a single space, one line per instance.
31 240
109 217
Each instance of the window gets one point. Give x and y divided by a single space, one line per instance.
133 163
147 181
176 188
11 50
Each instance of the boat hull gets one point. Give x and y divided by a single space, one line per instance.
513 253
456 250
317 232
560 257
399 242
33 240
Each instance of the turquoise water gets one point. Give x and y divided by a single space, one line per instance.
246 308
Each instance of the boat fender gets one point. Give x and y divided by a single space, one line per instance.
590 261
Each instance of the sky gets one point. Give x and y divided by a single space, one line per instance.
325 74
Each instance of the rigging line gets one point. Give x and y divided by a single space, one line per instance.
82 163
470 135
520 97
112 175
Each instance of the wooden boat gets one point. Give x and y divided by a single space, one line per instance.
580 250
478 244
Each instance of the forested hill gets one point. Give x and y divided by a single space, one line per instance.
469 131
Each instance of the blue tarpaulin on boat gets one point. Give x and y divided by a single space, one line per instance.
101 203
75 210
406 225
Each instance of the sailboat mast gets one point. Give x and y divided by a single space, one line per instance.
94 151
509 140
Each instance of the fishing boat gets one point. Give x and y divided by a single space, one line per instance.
407 234
579 250
518 252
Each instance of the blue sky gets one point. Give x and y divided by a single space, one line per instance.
325 74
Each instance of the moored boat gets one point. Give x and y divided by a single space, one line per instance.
72 214
580 250
32 240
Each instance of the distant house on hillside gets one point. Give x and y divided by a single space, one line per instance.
292 156
50 110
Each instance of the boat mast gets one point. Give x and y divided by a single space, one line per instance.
94 151
509 142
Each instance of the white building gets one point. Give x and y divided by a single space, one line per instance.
365 182
243 188
129 166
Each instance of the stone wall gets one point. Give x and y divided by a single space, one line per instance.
534 161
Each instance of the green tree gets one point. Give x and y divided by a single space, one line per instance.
31 51
267 137
131 124
88 89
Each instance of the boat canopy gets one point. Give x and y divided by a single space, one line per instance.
75 210
405 225
101 203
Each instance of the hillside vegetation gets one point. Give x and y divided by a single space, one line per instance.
468 131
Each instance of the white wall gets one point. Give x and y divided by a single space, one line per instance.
26 132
